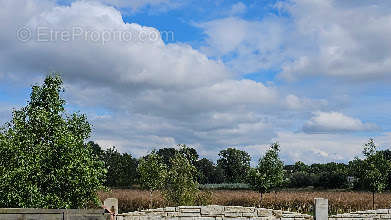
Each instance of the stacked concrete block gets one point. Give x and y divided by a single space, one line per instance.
364 215
213 212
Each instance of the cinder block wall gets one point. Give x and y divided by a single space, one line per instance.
212 212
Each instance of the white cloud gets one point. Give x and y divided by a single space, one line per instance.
137 5
156 94
326 38
319 148
248 46
238 8
339 40
331 122
152 93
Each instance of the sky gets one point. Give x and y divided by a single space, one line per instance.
313 75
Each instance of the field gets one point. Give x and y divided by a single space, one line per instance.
301 201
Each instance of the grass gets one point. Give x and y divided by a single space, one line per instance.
300 201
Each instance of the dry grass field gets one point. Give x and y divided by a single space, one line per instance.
340 202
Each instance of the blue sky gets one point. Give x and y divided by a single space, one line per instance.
312 75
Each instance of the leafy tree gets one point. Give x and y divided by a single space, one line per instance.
332 175
235 163
122 168
387 156
44 161
190 153
167 154
208 172
300 167
152 172
302 179
181 188
375 167
269 173
97 151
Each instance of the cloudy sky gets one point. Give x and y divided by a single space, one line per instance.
313 75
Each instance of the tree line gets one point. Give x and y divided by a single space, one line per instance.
45 162
233 166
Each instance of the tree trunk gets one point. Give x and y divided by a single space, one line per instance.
260 199
150 199
373 200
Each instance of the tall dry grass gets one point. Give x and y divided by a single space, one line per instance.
339 202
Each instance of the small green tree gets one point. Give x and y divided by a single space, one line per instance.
376 168
44 161
153 173
268 174
181 188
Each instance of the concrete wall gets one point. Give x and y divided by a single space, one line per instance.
365 215
52 214
212 212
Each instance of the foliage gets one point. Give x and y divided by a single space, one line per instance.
44 162
122 168
152 172
269 173
235 163
180 187
167 153
208 173
375 168
329 175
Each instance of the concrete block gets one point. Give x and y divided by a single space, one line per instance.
238 209
321 209
212 210
169 209
111 204
264 212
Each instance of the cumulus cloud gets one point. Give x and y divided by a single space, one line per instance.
148 93
142 94
338 39
327 38
238 8
247 46
136 5
332 122
319 148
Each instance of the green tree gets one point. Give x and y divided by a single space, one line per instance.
190 153
235 163
97 151
181 188
122 168
153 173
300 167
269 173
376 167
167 154
44 161
208 172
